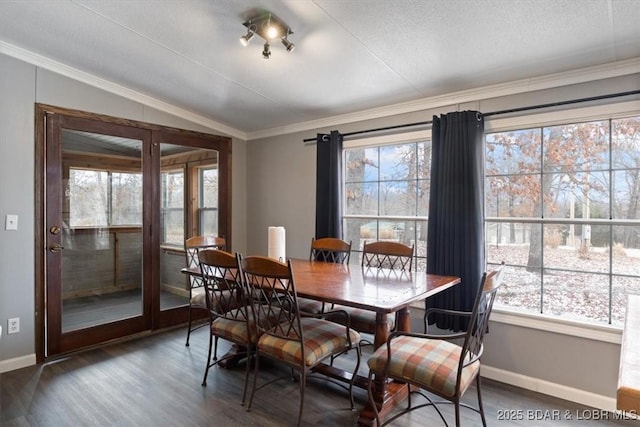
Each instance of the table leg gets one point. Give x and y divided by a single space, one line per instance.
231 358
387 395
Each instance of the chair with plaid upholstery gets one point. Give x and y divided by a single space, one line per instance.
226 301
392 256
192 246
300 342
435 364
326 249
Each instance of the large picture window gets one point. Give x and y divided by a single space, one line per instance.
562 208
386 194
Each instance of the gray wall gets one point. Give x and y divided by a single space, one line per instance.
274 184
281 181
21 86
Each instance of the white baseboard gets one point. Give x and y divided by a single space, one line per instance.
560 391
17 363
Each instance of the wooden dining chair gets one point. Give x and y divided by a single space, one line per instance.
326 249
432 363
226 301
192 246
379 254
387 254
301 343
330 249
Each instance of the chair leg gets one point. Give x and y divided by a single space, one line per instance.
206 369
372 402
246 376
255 380
480 408
189 326
303 382
457 406
353 377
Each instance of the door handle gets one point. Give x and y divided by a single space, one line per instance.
55 248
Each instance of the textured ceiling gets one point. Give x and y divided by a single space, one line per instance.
350 56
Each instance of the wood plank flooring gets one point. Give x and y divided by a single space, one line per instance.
155 381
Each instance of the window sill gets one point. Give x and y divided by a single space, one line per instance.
610 334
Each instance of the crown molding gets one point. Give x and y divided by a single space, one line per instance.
583 75
111 87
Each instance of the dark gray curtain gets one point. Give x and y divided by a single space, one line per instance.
328 176
455 244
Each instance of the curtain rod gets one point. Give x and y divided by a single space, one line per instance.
495 113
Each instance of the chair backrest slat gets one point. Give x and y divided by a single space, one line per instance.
194 244
273 297
225 296
330 249
479 321
386 254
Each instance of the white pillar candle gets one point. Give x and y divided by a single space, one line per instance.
277 243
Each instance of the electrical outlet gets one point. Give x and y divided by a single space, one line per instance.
13 325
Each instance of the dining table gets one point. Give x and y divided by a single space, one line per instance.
383 291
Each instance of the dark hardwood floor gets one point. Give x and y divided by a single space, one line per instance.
155 381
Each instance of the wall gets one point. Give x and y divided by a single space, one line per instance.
22 85
274 184
281 179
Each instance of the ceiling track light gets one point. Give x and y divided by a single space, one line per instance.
269 27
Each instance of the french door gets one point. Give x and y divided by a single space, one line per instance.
119 198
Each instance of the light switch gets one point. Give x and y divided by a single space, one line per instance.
11 222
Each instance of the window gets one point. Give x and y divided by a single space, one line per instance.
386 194
208 200
100 198
563 212
172 211
200 186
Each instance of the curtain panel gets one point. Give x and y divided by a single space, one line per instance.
455 242
328 185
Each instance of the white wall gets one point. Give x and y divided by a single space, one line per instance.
22 85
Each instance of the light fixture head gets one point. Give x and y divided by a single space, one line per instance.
288 45
266 52
245 39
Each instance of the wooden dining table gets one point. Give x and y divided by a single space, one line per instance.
383 291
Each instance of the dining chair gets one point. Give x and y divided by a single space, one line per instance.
380 254
432 363
226 301
299 342
387 254
192 246
326 249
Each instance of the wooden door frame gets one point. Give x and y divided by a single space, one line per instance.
159 134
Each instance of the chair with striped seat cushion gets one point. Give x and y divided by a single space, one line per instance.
226 301
380 257
300 342
435 364
192 246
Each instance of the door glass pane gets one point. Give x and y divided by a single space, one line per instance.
189 207
102 229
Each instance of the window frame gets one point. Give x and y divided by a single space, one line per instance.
602 332
376 142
